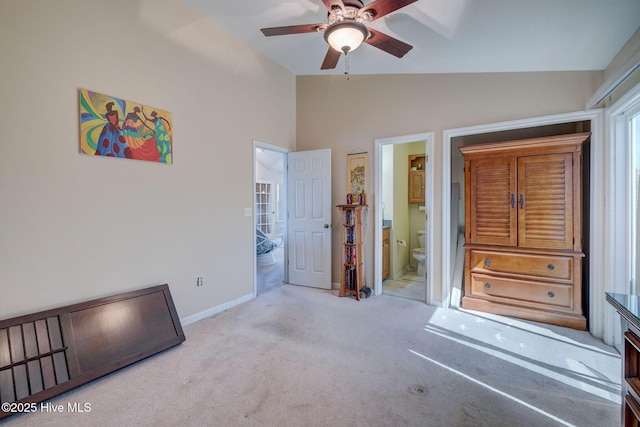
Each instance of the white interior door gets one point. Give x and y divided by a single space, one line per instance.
309 223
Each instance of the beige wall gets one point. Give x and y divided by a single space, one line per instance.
626 57
627 51
344 115
74 227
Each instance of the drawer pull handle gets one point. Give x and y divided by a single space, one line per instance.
487 262
487 285
551 294
551 266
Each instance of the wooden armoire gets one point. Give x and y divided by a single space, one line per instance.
523 229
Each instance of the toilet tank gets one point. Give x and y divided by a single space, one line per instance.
421 238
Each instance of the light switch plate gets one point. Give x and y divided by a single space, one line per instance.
247 211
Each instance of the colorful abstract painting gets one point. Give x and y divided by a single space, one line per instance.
113 127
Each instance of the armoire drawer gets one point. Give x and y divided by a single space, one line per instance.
500 288
549 266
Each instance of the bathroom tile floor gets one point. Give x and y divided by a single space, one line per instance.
409 285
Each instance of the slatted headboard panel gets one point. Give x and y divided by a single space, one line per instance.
32 358
47 353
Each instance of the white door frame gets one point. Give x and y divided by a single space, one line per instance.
597 186
263 145
429 260
618 273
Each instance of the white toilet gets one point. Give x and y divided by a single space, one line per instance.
418 253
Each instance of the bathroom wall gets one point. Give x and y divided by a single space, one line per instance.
387 182
407 219
416 216
400 225
416 222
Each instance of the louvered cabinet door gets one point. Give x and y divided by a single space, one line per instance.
491 213
545 201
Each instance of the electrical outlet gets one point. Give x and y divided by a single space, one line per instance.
199 281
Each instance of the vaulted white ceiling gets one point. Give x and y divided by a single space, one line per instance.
449 36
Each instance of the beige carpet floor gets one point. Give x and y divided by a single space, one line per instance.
304 357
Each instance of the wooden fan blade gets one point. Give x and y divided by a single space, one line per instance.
331 60
292 29
332 4
387 43
380 8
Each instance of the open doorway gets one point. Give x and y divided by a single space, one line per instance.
270 217
404 179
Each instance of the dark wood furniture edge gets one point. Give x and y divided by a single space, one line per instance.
623 312
76 376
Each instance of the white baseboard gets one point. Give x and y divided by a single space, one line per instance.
402 272
215 310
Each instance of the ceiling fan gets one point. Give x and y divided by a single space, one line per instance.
347 28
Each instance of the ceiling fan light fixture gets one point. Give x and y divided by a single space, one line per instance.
346 36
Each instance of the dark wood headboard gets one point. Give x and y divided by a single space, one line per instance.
47 353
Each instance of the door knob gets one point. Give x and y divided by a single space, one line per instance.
327 226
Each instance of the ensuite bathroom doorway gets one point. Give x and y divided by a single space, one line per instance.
270 218
405 235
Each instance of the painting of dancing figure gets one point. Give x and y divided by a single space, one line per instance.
113 127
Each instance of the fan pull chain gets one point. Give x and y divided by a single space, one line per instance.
346 64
